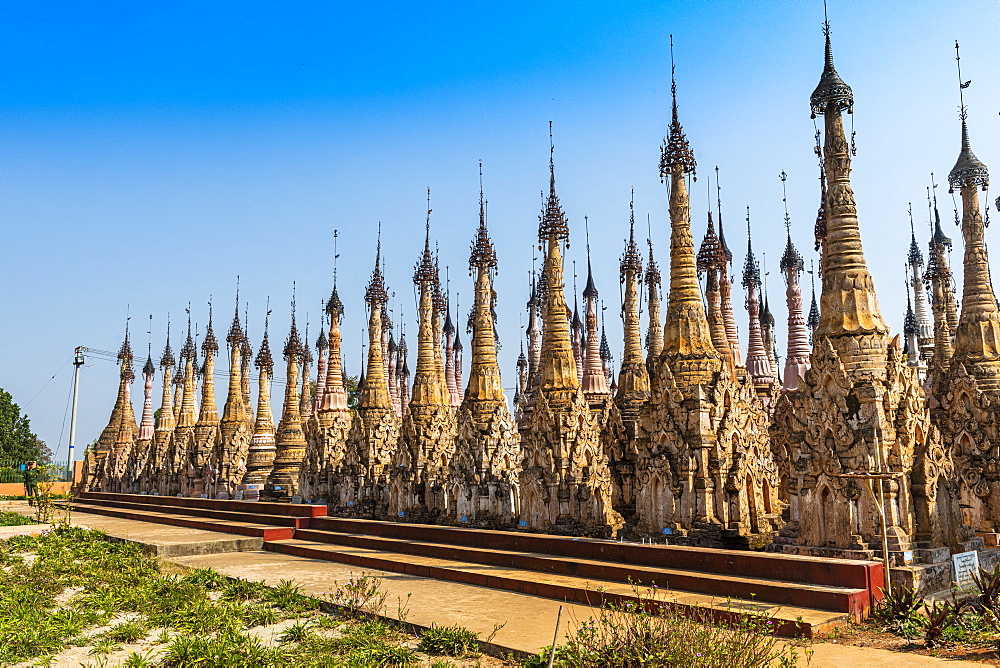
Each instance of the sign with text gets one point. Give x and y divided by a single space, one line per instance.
966 564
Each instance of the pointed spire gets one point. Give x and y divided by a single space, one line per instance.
712 263
797 357
654 334
374 393
633 377
429 387
189 354
557 365
167 421
209 413
675 151
977 338
595 381
260 455
813 320
831 89
968 169
148 370
552 224
718 203
290 442
726 284
484 372
850 313
687 341
234 409
758 364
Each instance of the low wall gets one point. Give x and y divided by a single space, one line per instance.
17 489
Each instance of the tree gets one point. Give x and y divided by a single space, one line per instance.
352 389
17 442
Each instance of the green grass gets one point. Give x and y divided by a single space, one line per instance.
200 618
12 519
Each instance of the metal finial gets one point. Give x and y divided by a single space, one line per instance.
675 149
784 200
751 269
961 86
336 234
791 258
968 169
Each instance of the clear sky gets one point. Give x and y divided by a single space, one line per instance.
152 152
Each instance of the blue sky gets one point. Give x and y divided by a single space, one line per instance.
150 153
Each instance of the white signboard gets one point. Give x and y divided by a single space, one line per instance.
966 564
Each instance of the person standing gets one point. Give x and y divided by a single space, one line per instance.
31 473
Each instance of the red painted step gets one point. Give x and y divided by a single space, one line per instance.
265 531
811 571
840 599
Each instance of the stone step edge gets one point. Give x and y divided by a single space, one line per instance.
770 589
784 627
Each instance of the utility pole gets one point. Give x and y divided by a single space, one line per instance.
78 361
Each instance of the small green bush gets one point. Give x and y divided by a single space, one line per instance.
127 632
208 578
449 640
12 519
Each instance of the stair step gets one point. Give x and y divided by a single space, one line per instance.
789 621
744 563
208 513
839 599
265 531
256 507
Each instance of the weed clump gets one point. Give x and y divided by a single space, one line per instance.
449 640
647 631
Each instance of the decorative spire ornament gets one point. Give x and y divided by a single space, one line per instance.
595 377
654 334
687 340
758 364
726 283
925 326
849 312
290 442
633 377
792 264
712 264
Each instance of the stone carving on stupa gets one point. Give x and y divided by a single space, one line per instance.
859 409
483 471
374 435
565 482
420 471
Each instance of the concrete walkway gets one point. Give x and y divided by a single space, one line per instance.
528 622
